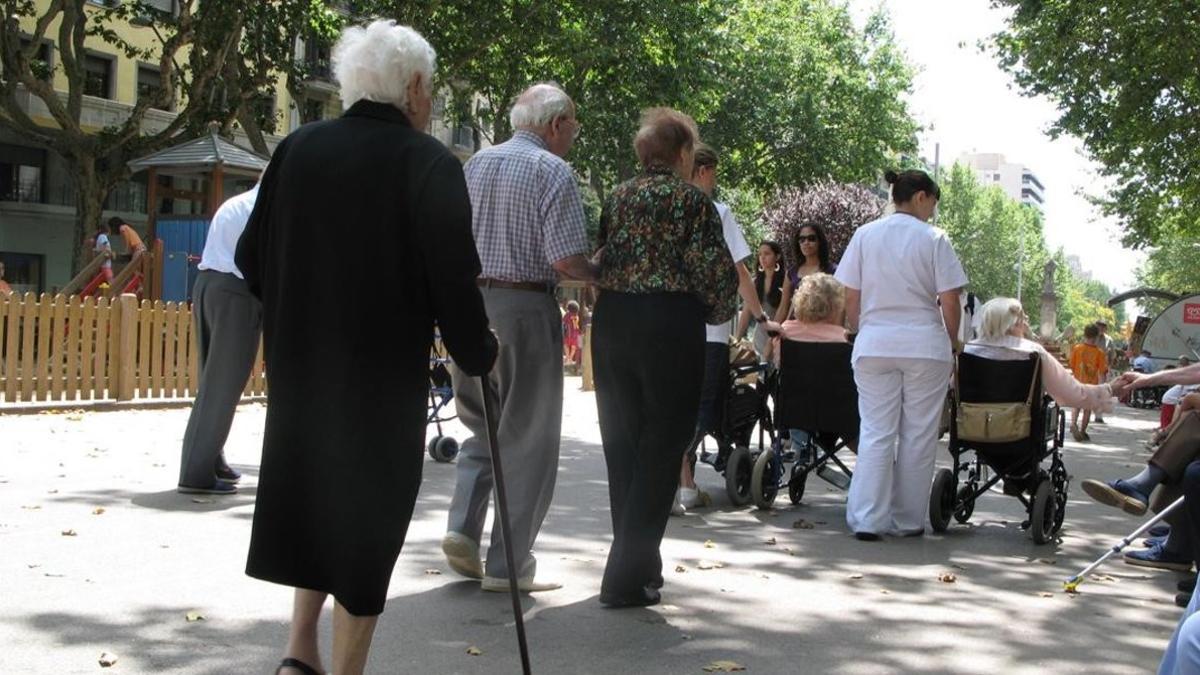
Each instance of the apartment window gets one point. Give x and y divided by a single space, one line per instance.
264 110
463 136
25 272
98 76
313 110
149 84
22 170
317 55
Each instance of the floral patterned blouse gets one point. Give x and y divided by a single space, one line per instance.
661 234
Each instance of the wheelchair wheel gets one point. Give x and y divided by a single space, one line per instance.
443 448
796 485
1042 515
738 473
763 485
941 500
963 514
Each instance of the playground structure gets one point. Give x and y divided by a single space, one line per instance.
167 270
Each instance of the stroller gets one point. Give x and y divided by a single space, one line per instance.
441 392
815 392
1017 463
746 406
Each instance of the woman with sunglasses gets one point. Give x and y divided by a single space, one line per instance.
810 253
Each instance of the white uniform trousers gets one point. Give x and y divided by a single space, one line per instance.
900 402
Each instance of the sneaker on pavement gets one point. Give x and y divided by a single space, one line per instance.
526 585
677 508
219 487
692 498
1158 557
462 554
1118 494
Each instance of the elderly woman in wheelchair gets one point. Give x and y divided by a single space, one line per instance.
816 399
1008 391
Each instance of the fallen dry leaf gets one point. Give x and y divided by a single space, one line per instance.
1047 561
75 417
802 524
193 617
433 572
474 651
1103 577
1046 594
947 577
201 500
32 508
724 667
68 533
709 544
709 565
98 511
959 567
770 542
885 591
680 569
856 576
107 660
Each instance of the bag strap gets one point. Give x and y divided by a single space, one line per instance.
1037 367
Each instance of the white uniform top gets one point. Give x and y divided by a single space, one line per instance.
739 250
901 264
223 233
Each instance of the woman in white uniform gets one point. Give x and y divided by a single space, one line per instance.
903 282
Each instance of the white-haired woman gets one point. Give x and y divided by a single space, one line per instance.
374 204
1003 326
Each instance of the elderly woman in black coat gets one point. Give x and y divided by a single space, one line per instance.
359 243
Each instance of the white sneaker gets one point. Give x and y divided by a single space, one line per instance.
677 508
691 498
462 554
526 585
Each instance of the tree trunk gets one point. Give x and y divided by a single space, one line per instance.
90 193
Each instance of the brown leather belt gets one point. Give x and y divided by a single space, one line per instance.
536 286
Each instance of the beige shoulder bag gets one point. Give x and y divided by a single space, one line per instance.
996 422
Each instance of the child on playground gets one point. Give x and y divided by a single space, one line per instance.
572 328
1088 364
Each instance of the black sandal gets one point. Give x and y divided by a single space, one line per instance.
299 665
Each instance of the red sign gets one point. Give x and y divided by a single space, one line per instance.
1191 312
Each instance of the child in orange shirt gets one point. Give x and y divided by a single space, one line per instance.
1089 364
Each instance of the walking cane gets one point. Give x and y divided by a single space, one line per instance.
1073 583
491 419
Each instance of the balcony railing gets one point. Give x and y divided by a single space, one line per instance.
128 196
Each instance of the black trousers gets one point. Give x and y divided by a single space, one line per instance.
648 351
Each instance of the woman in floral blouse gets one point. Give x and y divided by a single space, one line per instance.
665 273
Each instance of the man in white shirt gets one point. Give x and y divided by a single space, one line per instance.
228 321
1143 363
716 355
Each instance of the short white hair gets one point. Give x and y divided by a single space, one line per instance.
376 63
538 106
998 316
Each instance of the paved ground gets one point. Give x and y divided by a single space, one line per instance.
126 579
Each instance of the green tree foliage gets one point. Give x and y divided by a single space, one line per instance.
1171 266
805 95
1125 78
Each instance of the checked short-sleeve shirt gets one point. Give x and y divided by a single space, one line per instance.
527 213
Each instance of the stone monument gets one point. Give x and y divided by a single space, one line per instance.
1049 327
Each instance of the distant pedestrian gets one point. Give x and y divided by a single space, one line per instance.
572 326
348 361
529 230
103 249
133 243
228 325
1089 364
5 289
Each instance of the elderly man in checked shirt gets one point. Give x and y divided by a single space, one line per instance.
529 230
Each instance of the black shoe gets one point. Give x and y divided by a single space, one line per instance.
646 597
866 536
1159 531
1183 599
226 472
657 583
219 487
1186 585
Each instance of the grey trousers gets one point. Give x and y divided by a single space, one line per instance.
528 375
228 323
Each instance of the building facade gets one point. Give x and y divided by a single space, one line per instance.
37 192
1017 180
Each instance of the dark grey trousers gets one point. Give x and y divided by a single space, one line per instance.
529 377
228 323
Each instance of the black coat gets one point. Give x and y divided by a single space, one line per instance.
359 242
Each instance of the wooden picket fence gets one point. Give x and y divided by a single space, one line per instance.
70 349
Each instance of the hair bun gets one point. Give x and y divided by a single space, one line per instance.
891 177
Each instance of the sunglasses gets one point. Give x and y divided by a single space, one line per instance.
811 238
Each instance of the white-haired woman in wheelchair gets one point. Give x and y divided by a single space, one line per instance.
819 305
1003 328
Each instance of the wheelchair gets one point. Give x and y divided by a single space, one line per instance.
815 391
1019 464
441 448
745 407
